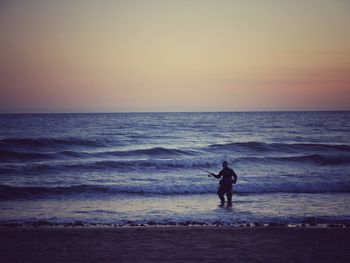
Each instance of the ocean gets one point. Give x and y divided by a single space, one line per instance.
123 168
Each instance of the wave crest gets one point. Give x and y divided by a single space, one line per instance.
15 192
51 142
278 147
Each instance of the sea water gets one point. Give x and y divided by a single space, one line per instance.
116 168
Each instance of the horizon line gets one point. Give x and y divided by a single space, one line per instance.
126 112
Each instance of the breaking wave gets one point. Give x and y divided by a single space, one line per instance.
14 143
13 156
8 192
279 147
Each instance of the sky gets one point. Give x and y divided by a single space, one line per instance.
162 55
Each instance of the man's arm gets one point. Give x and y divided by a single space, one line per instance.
234 177
216 175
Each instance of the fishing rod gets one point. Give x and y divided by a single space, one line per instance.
209 173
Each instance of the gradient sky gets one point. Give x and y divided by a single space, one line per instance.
159 55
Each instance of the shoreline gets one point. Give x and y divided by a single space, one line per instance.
175 244
186 224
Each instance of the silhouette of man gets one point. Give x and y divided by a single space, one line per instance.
229 177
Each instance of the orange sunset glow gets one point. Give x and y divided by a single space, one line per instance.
79 56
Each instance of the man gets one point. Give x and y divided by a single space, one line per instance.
229 177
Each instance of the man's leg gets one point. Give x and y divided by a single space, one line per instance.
229 195
221 192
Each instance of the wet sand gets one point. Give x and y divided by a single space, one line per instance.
174 244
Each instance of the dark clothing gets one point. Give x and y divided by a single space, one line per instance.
229 177
225 189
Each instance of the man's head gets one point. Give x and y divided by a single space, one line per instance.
224 164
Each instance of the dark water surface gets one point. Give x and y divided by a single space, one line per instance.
114 167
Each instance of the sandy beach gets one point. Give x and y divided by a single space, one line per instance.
174 244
